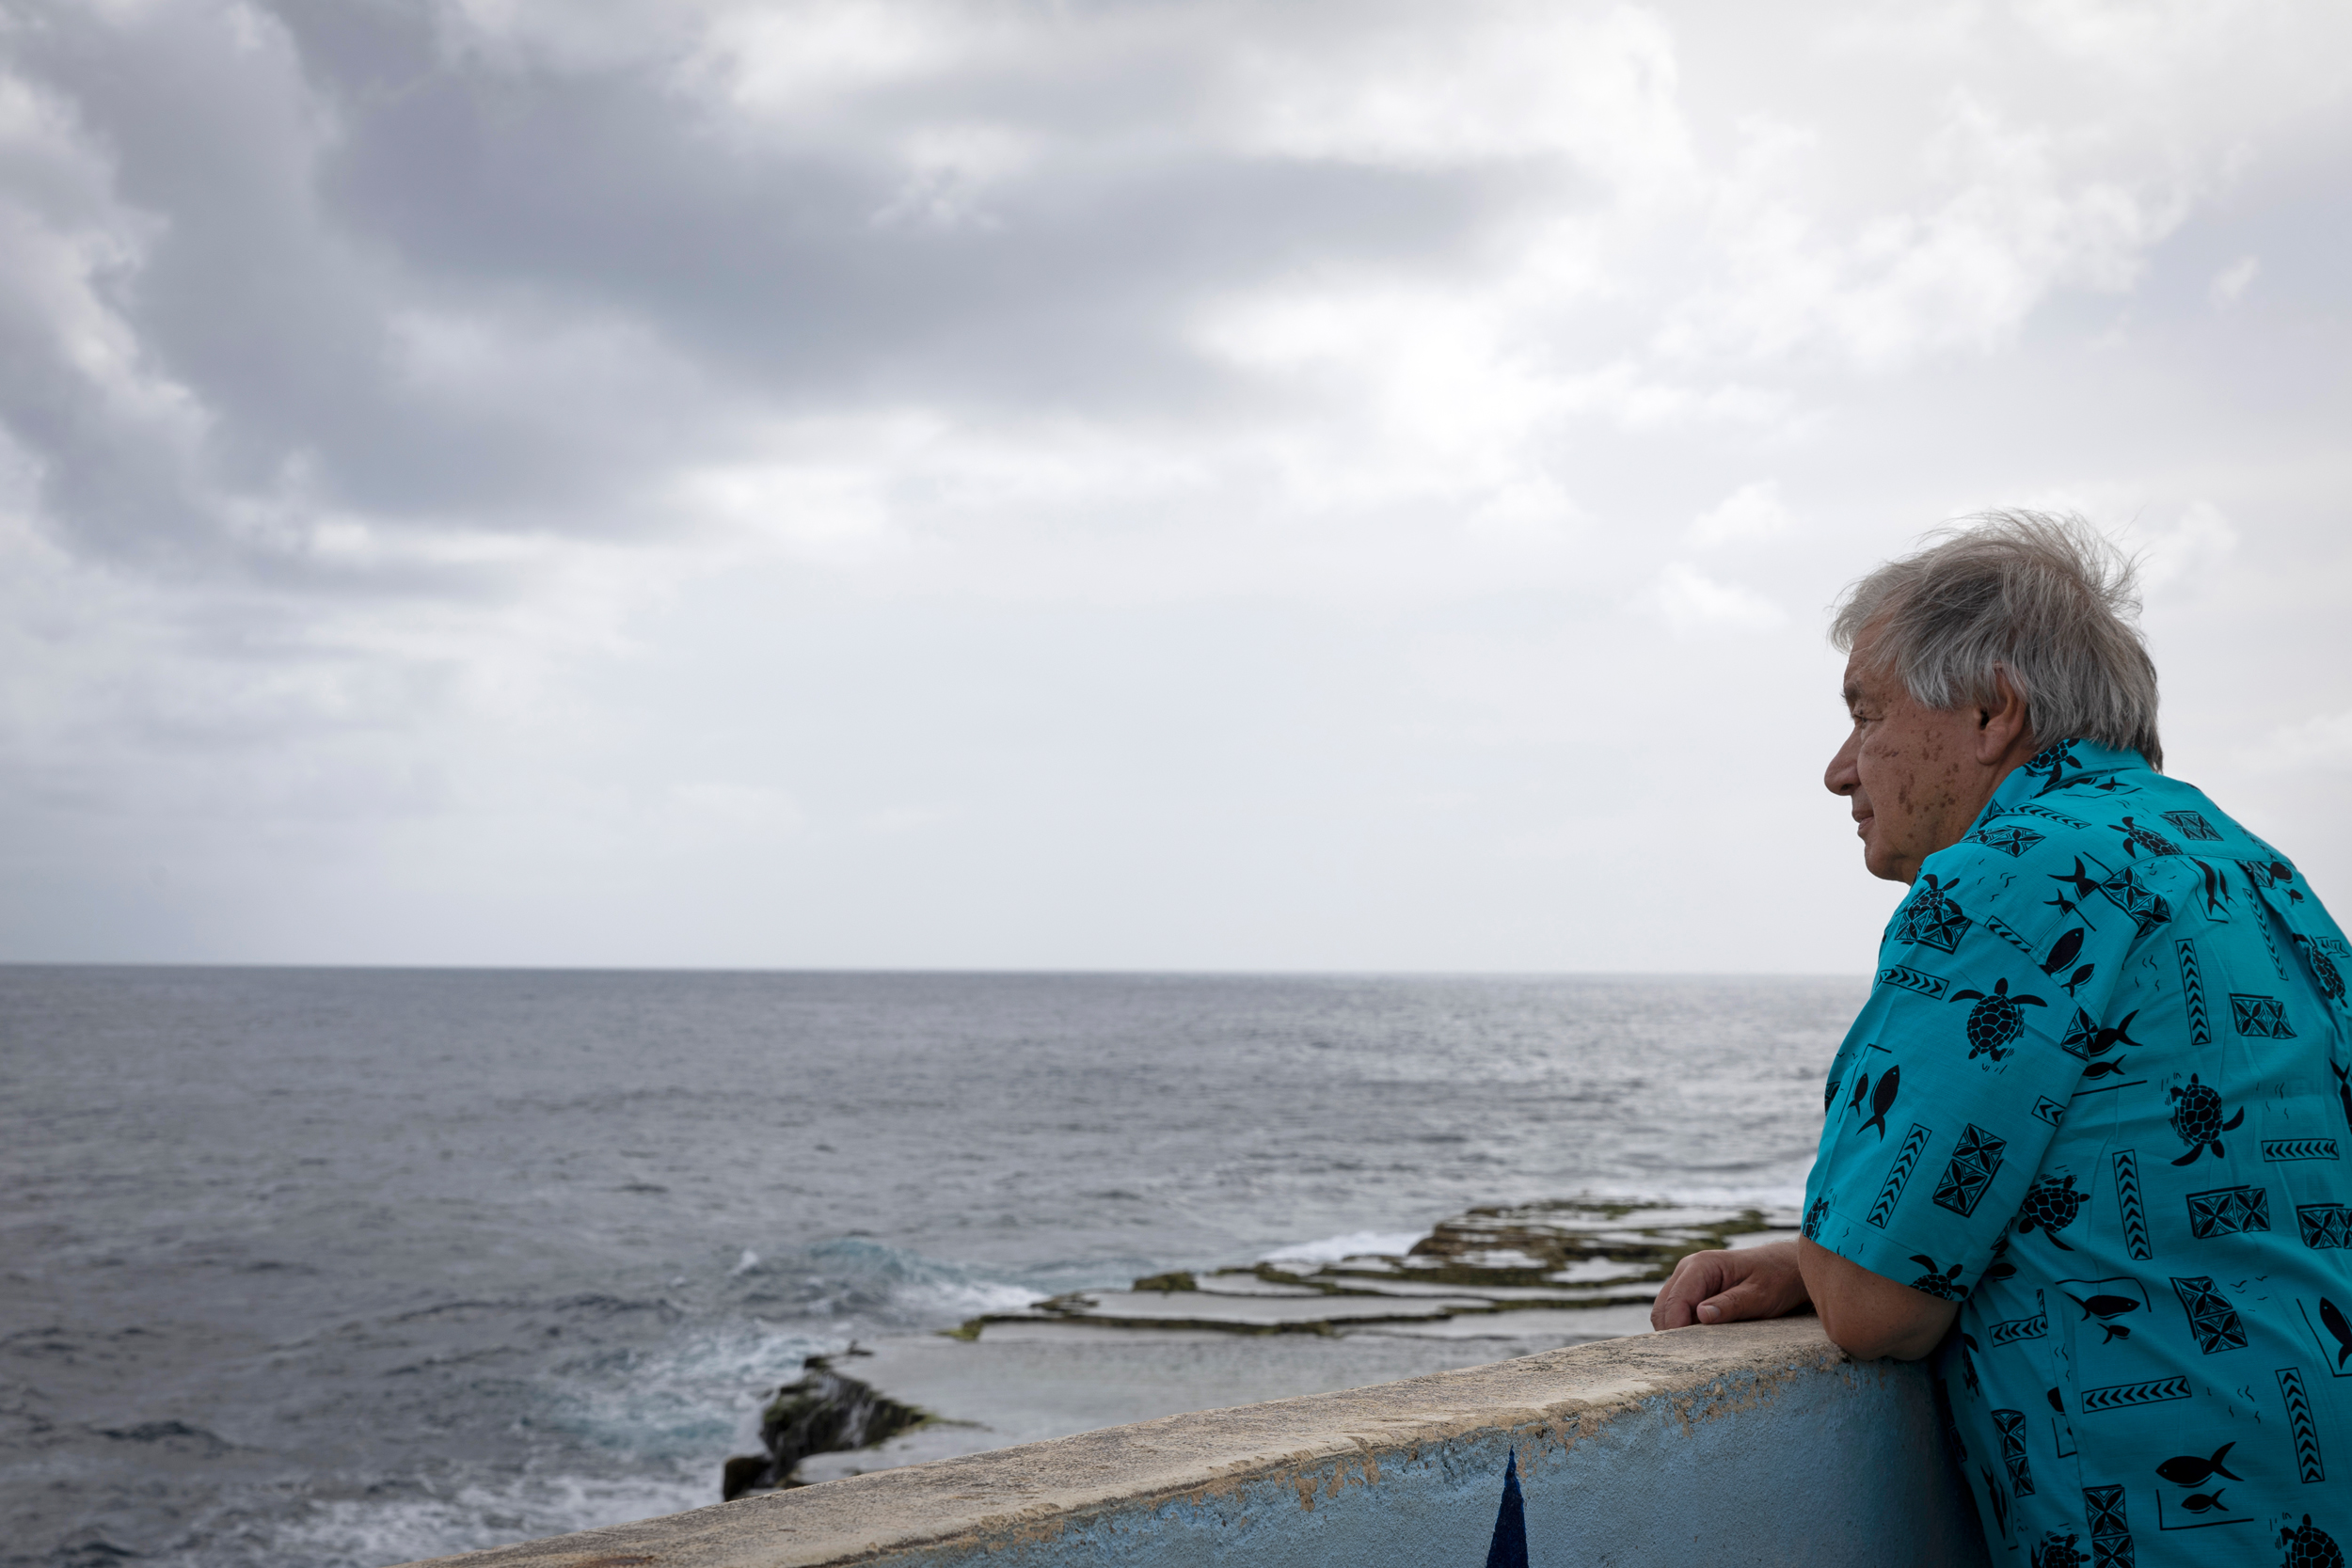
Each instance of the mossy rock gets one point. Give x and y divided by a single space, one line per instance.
1178 1279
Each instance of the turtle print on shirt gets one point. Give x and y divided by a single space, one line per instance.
2111 1116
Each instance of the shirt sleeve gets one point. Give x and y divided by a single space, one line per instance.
1957 1074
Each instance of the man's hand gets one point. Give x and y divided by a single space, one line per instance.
1863 1314
1728 1287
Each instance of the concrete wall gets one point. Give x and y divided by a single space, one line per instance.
1754 1443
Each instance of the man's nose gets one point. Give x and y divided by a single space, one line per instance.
1842 777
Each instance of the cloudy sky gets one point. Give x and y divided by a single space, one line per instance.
912 483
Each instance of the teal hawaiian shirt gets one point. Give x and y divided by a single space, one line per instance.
2099 1097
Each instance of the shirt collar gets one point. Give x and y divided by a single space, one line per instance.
2057 766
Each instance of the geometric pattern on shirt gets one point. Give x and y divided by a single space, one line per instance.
1975 1159
1931 919
2193 825
2302 1427
2123 1396
2211 1318
2261 928
2010 1330
1899 1174
2127 1203
2262 1017
1911 979
2011 838
2325 1225
2146 907
2008 934
2077 1041
2193 994
2228 1211
2279 1150
2110 1533
2011 1426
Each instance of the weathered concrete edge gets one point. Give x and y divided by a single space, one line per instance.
1318 1443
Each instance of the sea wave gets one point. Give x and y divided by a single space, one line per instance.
1356 1243
365 1533
679 1397
862 1283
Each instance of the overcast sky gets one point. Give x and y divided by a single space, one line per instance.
1153 485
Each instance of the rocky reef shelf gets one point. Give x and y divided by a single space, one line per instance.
1486 1285
1571 1254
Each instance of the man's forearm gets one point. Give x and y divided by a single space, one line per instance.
1867 1315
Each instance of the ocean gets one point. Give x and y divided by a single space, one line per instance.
341 1268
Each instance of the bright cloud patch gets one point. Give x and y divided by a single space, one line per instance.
1690 602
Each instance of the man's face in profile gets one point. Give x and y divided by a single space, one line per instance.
1903 768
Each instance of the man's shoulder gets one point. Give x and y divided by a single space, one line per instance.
2078 867
2111 831
1990 906
2137 811
2029 872
2033 860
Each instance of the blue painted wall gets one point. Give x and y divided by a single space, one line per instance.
1821 1467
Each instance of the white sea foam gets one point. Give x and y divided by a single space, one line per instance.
684 1400
1356 1243
913 1287
974 1297
366 1532
963 1294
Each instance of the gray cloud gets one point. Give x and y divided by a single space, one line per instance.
312 202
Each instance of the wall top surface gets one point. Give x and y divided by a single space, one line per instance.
1567 1395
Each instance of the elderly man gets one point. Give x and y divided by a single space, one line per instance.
2090 1141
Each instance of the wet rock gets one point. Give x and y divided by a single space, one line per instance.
745 1472
821 1412
1180 1280
175 1435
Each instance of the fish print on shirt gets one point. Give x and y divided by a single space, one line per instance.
1882 1098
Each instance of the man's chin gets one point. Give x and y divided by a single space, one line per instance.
1885 867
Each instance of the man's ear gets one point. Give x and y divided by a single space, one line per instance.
2002 722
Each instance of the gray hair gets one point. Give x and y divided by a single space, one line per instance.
2043 598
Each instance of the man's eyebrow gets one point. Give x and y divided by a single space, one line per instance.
1852 694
